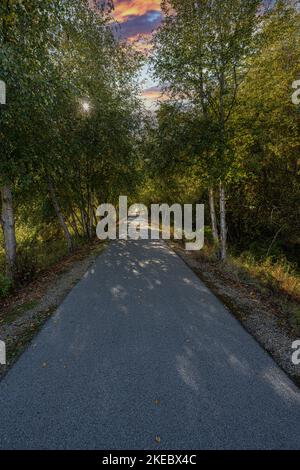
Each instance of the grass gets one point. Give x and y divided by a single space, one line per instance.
274 278
33 259
273 272
273 275
277 276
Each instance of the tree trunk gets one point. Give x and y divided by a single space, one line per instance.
8 227
91 216
78 222
213 217
84 222
74 224
61 217
223 225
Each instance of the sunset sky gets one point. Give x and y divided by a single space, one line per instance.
137 20
137 16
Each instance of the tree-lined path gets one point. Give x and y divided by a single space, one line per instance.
141 355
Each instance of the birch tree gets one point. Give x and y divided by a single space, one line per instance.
53 55
200 56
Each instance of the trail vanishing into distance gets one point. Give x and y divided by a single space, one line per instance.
141 355
173 106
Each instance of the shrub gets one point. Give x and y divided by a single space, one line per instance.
26 268
5 285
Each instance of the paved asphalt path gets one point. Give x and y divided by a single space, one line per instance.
141 348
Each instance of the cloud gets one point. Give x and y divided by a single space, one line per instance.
136 25
124 9
141 43
137 17
135 22
152 96
155 93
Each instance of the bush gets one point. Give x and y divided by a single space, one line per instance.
5 285
26 268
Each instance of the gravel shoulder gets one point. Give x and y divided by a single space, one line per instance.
259 314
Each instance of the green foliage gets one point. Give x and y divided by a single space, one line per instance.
237 64
265 130
26 267
62 159
201 52
5 286
229 73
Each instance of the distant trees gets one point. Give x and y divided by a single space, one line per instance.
72 133
200 54
68 130
229 66
265 177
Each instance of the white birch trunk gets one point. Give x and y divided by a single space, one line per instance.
213 217
8 227
61 217
223 225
